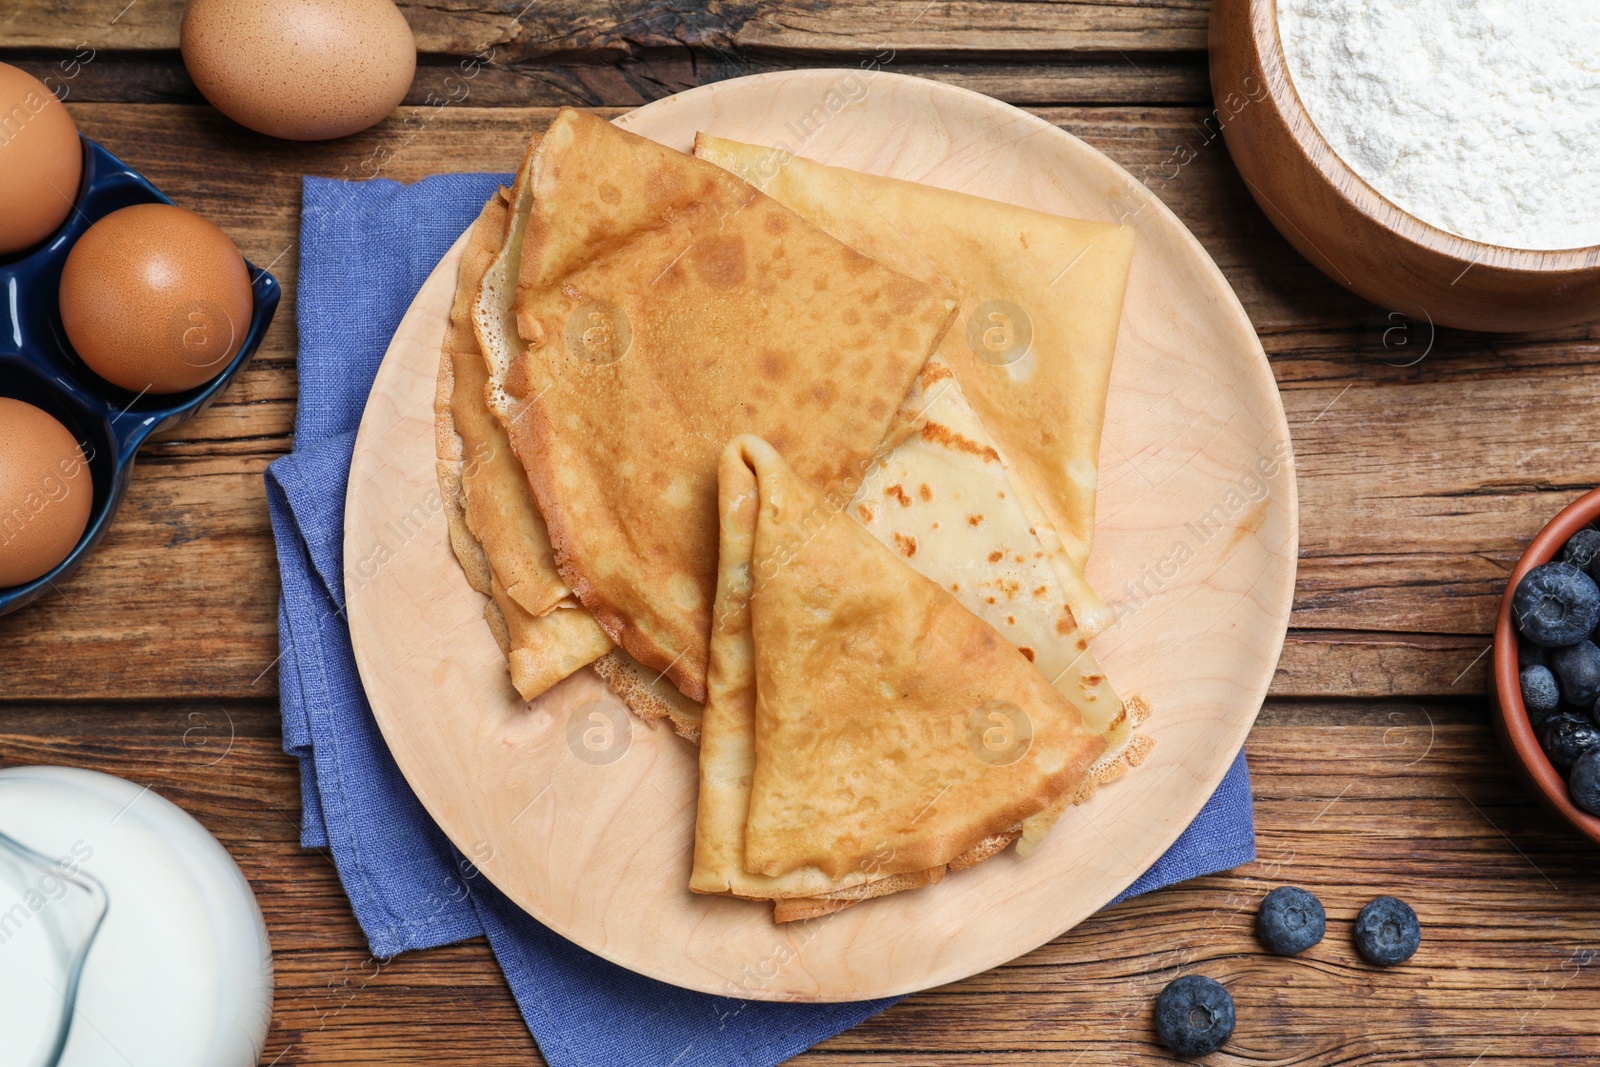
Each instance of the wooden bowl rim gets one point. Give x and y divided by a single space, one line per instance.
1372 204
1515 727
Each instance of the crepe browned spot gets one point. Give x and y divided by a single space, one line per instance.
862 725
668 307
1041 300
495 529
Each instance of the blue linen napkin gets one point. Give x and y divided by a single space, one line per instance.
365 249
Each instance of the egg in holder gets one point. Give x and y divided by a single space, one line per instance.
38 365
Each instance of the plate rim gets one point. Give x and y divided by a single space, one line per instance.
1282 595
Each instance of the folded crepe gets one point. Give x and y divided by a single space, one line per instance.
864 730
495 530
1041 299
666 307
944 501
516 534
502 532
982 562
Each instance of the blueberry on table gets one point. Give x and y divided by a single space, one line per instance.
1584 784
1194 1015
1556 604
1387 931
1577 668
1582 547
1541 696
1565 737
1291 919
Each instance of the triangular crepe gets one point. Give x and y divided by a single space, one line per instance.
862 724
667 306
944 501
1046 291
495 529
542 650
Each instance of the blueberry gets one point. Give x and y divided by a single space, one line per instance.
1291 920
1582 547
1387 931
1556 604
1194 1015
1577 668
1541 696
1530 654
1584 785
1565 737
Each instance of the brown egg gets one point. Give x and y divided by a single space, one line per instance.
45 492
306 70
154 297
41 161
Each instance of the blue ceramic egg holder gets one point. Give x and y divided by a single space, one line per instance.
39 367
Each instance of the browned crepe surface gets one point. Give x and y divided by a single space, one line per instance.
667 307
495 529
847 738
1041 300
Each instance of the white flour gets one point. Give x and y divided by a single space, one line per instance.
1481 117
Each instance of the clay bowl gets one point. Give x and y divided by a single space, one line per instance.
1510 718
1349 231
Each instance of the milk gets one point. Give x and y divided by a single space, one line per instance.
97 872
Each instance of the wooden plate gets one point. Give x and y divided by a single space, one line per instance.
584 816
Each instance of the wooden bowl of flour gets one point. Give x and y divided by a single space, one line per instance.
1351 232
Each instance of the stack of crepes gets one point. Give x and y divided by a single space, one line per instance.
802 460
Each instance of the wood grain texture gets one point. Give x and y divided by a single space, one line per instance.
1398 539
1352 800
645 74
1196 518
729 28
1404 615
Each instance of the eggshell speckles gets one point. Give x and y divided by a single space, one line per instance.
45 493
306 70
41 161
154 297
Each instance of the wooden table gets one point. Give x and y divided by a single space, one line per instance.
1424 468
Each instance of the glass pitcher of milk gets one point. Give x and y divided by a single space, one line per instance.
128 936
50 911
